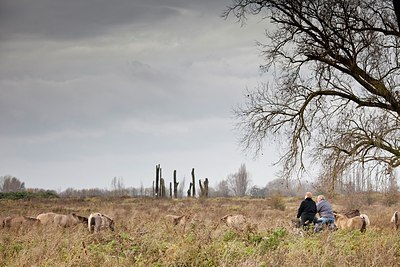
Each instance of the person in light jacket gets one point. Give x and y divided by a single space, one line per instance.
325 212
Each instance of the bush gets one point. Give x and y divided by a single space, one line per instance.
28 195
277 202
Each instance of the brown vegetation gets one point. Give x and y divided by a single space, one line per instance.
143 238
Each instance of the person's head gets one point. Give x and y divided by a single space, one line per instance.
308 195
320 197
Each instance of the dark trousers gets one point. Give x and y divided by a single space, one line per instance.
306 217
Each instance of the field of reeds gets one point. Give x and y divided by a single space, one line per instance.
145 236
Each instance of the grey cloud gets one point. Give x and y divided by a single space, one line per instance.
67 19
98 88
35 106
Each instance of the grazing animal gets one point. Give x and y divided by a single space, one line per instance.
352 213
7 221
354 223
395 220
18 221
46 218
98 221
175 220
366 218
235 221
355 213
66 220
81 219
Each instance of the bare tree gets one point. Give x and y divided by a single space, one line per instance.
141 189
117 186
9 183
256 191
181 188
239 182
222 189
285 187
193 183
335 98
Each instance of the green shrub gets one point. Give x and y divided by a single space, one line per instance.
230 236
273 240
28 195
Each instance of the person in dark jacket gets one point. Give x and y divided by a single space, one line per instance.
307 210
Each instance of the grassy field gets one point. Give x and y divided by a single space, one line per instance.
145 237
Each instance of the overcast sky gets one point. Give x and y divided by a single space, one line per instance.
96 89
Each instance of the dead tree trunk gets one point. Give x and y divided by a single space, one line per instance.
206 187
170 189
190 190
201 189
193 183
157 179
162 184
162 187
175 186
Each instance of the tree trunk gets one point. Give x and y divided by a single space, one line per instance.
201 189
175 186
193 184
206 187
162 187
190 190
157 179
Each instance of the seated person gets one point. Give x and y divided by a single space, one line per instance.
325 211
307 210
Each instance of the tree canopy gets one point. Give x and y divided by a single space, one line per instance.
335 96
10 183
239 182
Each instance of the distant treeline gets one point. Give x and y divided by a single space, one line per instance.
13 188
28 195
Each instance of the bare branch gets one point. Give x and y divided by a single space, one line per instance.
336 96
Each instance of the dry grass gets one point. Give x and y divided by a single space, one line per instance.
145 237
